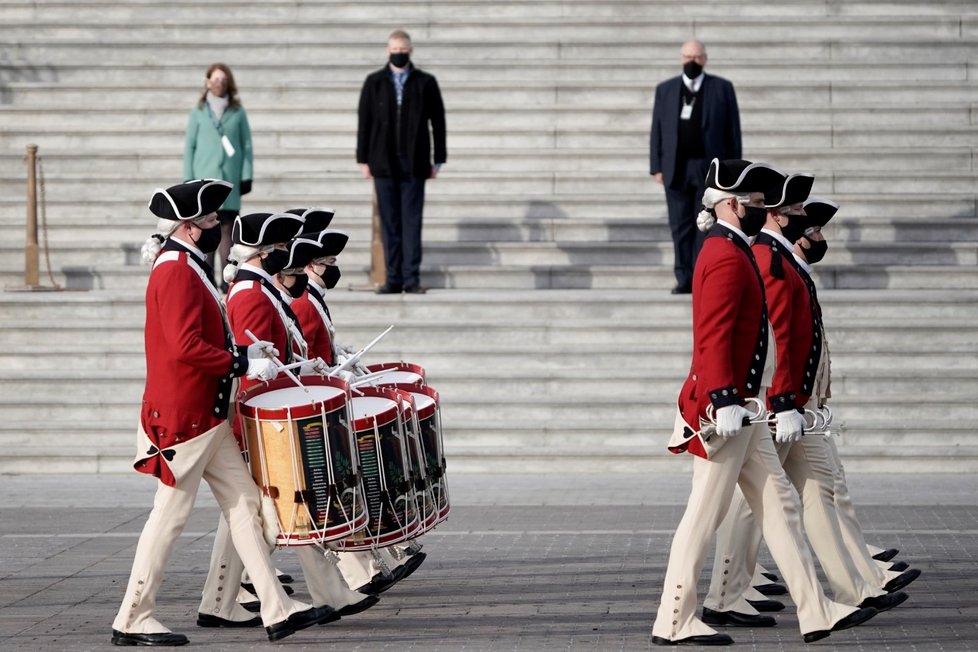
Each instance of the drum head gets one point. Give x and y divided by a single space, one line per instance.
394 377
293 396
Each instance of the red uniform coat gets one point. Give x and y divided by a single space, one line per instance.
189 364
790 311
313 328
729 331
251 309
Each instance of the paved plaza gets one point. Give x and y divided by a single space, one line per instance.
543 562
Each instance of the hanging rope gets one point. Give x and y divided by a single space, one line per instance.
44 225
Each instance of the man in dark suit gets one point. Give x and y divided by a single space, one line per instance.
400 115
694 120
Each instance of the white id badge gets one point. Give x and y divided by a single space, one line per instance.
685 114
229 148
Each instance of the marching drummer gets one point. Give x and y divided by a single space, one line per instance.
310 307
184 435
258 302
730 353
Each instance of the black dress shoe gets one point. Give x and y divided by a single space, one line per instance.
357 607
161 639
901 580
207 620
380 583
700 639
886 601
886 555
770 576
853 619
299 620
389 289
413 562
899 567
733 619
683 289
767 605
250 588
772 589
253 606
415 289
285 578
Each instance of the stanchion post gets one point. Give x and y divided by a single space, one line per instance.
31 260
378 268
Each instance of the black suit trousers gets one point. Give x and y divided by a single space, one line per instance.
684 198
400 199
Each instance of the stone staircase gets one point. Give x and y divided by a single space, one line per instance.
550 334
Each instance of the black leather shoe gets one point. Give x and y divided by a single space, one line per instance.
254 606
901 580
413 562
207 620
701 639
161 639
389 289
853 619
770 576
772 589
250 588
767 605
415 289
899 567
300 620
684 289
356 608
886 555
733 619
380 583
885 602
285 578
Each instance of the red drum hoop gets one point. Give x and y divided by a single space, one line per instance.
390 497
301 453
396 373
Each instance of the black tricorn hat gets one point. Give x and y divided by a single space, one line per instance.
190 200
740 176
302 251
332 242
794 190
259 229
820 211
317 219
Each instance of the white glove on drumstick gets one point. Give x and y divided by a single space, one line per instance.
261 369
730 420
262 349
315 366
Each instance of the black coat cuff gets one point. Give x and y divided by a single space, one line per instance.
724 396
239 364
782 402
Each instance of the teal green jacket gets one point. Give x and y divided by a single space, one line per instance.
204 156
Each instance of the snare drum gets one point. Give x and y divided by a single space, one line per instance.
417 466
427 411
390 499
301 452
390 373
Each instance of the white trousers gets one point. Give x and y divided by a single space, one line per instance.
221 466
358 568
750 461
807 464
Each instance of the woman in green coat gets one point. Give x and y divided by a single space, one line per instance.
218 146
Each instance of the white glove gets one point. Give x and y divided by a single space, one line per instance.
790 426
261 369
315 366
730 419
261 349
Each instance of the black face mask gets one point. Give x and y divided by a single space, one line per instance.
817 250
275 262
301 281
795 228
400 59
753 220
332 276
209 239
692 69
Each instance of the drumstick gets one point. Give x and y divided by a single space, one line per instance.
355 358
278 364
